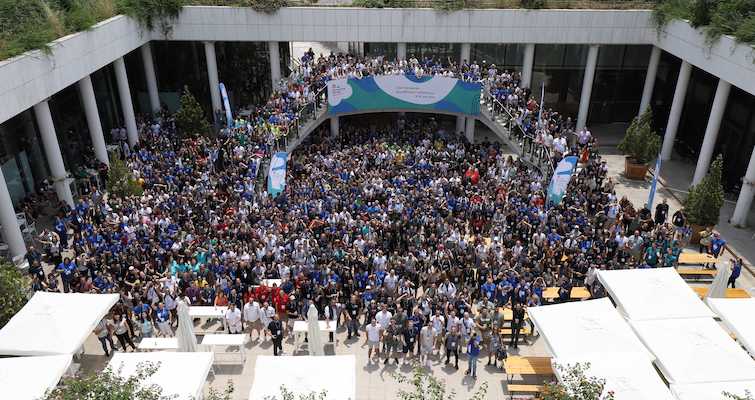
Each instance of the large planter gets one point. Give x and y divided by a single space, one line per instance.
634 170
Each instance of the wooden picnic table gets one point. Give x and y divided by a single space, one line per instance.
577 293
508 313
731 293
691 257
517 365
696 272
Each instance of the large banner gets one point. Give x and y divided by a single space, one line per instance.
227 106
428 93
276 177
561 177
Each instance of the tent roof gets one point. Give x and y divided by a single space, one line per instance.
630 377
657 293
182 375
695 350
54 323
585 327
711 391
305 374
28 378
737 314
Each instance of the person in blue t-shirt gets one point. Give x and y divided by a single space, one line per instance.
473 351
736 270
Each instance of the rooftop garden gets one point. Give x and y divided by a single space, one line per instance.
714 17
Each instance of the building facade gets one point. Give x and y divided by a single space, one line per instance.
601 66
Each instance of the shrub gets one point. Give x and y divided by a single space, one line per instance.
152 13
704 201
267 6
190 118
576 385
640 141
533 4
120 180
14 291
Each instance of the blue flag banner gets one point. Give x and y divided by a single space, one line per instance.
655 182
561 177
226 105
276 177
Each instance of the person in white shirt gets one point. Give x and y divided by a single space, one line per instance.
374 331
447 288
266 315
252 318
426 341
438 322
384 317
233 319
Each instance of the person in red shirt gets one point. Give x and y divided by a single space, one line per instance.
262 293
280 301
473 174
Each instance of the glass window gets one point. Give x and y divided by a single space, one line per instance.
244 69
180 64
440 52
380 49
618 84
558 68
506 56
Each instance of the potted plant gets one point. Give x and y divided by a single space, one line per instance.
704 201
640 145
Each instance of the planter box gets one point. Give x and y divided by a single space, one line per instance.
633 170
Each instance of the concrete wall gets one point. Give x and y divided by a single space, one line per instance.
726 59
34 76
324 24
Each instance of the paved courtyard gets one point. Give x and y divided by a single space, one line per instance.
375 381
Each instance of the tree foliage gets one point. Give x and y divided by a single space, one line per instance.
286 394
714 17
576 385
640 141
704 201
425 386
152 14
14 291
121 181
190 118
110 385
747 396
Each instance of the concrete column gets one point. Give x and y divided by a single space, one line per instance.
86 91
52 152
275 63
124 93
711 131
460 124
12 235
466 53
149 74
401 51
527 64
745 194
584 101
469 131
676 110
647 90
212 74
334 126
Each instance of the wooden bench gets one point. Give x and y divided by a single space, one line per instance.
731 293
525 389
696 273
691 257
577 293
525 331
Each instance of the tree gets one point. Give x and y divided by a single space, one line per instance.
14 291
120 181
732 396
427 387
640 141
704 201
576 385
109 385
286 394
190 118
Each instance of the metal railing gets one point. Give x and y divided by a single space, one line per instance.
530 147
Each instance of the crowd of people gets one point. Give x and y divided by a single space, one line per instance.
404 233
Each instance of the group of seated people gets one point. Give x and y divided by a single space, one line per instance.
406 218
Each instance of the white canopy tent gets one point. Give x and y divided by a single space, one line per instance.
695 350
654 293
29 378
585 327
712 391
739 317
181 375
304 374
54 323
630 377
